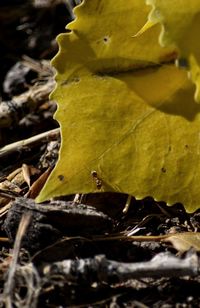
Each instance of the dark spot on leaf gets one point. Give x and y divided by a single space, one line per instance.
61 177
106 39
186 146
163 169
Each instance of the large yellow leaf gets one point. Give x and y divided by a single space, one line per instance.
128 123
180 20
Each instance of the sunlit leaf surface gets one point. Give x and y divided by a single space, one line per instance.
180 21
128 119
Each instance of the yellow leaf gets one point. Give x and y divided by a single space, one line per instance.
101 41
128 123
180 22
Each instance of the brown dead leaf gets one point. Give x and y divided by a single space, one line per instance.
38 184
184 241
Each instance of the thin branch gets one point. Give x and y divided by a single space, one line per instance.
30 142
9 284
102 270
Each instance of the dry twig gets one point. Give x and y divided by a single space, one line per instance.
102 270
30 142
10 283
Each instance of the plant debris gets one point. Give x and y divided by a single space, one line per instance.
89 250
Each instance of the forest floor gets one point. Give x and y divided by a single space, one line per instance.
75 251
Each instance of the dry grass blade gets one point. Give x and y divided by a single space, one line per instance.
182 241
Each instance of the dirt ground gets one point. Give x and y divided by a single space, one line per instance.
75 251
